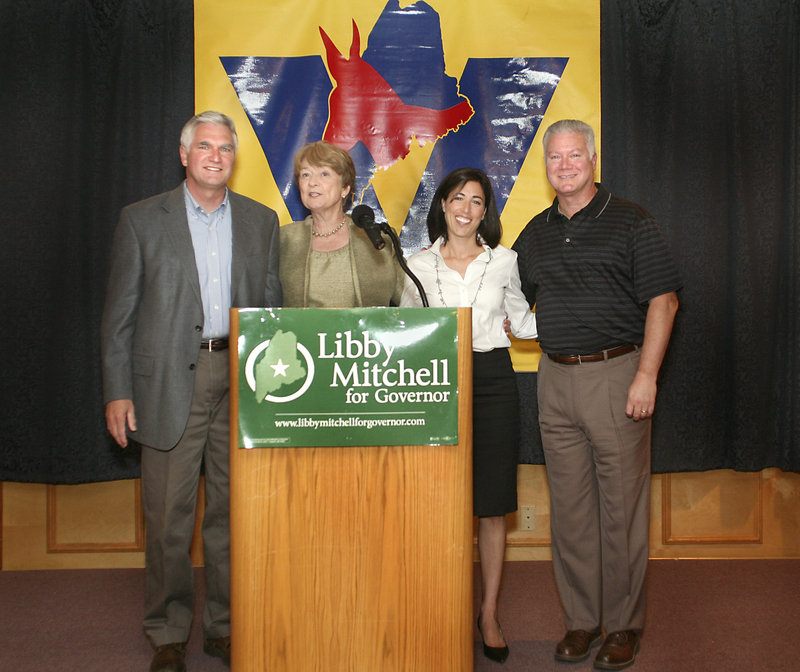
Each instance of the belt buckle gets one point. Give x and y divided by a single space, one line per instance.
211 344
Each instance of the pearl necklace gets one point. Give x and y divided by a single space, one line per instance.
439 282
328 233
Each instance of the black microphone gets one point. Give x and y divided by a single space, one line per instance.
364 218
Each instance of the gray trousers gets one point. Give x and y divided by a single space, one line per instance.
598 470
170 482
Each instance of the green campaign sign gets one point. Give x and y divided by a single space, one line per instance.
347 377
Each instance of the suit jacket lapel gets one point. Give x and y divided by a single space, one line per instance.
241 243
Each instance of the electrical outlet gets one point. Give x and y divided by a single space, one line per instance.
527 518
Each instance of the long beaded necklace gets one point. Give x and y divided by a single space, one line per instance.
439 281
327 233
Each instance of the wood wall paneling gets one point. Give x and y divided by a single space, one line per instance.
87 526
724 510
715 514
115 512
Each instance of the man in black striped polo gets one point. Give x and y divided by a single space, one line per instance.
604 284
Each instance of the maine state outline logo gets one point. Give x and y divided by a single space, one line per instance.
278 364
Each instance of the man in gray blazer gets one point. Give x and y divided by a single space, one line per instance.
179 261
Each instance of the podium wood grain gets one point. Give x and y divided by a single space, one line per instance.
354 558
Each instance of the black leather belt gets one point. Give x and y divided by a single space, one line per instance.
214 344
593 357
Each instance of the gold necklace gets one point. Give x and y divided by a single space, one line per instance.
329 233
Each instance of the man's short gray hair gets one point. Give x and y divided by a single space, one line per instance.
207 117
570 126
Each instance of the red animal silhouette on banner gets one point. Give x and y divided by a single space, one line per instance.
365 108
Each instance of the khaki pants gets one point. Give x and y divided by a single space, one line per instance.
598 470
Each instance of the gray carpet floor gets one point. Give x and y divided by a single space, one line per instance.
702 616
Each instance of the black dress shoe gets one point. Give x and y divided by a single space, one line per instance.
498 654
576 645
169 658
618 651
219 647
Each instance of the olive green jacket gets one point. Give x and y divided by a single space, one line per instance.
377 274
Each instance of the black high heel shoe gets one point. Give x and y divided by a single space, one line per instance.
496 653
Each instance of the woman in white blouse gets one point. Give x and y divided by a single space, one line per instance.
467 267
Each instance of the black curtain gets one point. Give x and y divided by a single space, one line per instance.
701 125
93 97
700 109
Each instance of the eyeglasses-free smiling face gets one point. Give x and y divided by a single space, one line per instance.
209 159
570 168
464 209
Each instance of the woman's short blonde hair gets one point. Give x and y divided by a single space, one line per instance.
325 154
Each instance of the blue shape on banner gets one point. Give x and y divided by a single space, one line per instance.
405 46
486 120
286 100
510 97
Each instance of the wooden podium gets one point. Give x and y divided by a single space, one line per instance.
354 558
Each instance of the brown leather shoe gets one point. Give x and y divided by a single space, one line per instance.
169 658
618 651
576 645
219 647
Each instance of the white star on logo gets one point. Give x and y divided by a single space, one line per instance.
280 368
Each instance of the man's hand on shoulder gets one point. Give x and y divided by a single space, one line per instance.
119 416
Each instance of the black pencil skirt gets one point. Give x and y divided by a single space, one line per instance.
495 434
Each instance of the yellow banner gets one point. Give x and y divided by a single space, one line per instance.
446 83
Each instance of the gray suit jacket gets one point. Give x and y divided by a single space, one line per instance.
153 317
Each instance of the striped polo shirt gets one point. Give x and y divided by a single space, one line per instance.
591 277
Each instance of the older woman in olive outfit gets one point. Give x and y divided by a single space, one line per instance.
326 261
